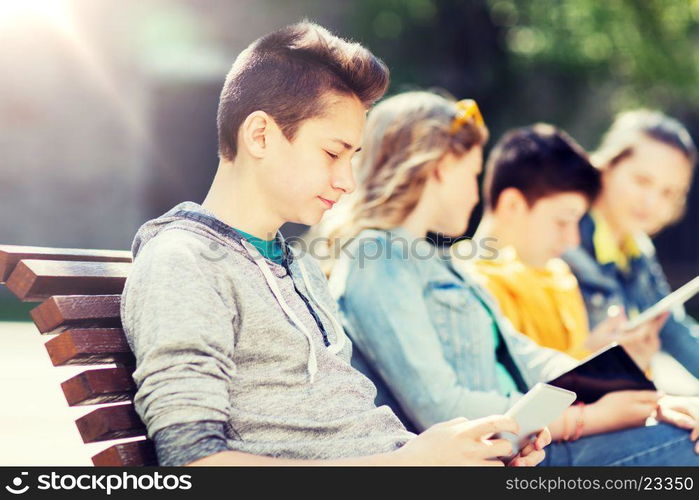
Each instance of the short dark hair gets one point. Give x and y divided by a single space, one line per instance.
287 74
539 161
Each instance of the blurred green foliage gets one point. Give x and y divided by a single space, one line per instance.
647 47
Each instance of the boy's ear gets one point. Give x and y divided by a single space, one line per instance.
254 132
511 201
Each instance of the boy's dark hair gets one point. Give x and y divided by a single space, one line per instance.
287 73
539 161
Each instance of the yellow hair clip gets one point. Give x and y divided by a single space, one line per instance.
466 110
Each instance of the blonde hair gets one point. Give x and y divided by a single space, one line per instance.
634 126
405 138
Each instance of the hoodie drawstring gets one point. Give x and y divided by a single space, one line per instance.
339 331
337 346
312 365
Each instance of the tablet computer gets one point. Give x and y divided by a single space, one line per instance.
678 297
608 370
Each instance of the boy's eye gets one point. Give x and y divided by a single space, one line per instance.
332 155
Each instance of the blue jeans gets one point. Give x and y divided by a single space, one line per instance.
660 444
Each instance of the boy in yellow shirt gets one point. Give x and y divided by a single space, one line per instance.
539 183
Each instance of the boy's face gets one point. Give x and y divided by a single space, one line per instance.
549 227
310 173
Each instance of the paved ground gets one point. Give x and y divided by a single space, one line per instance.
36 424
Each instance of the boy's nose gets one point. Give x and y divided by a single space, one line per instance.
344 178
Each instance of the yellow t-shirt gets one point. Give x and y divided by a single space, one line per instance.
544 304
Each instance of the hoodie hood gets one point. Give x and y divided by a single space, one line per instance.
206 224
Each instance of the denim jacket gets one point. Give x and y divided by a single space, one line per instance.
425 336
603 285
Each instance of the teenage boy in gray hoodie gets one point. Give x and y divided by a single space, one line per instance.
240 358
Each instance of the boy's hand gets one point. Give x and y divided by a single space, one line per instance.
606 332
643 342
460 442
533 453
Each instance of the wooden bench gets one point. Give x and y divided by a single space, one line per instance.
80 292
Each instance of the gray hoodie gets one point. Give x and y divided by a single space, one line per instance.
235 352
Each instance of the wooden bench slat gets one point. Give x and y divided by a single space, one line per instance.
110 422
35 280
61 312
89 346
10 255
107 385
132 454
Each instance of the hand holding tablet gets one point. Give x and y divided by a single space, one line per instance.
676 298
